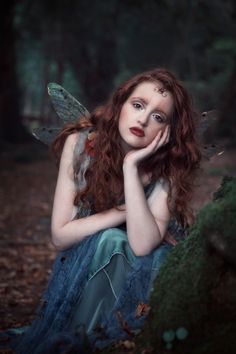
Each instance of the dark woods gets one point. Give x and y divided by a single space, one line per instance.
89 49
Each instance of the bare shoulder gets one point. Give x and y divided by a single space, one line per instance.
69 145
66 161
71 140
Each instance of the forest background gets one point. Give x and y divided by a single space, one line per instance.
89 47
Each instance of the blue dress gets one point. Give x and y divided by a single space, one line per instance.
93 294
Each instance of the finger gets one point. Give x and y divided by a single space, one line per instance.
157 138
163 137
166 135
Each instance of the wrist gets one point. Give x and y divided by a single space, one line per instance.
130 168
129 164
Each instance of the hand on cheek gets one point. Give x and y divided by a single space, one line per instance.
160 140
165 135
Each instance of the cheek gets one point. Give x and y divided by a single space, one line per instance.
123 118
120 120
155 130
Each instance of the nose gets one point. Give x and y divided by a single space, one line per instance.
143 119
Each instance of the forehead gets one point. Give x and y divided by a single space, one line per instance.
150 92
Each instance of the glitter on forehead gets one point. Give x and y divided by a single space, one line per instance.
161 90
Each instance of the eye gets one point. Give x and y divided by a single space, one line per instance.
137 105
158 118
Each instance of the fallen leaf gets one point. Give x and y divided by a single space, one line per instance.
142 310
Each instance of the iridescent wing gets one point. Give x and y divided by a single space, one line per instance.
206 133
67 108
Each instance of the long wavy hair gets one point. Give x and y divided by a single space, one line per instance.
176 162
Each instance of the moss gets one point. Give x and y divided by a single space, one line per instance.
194 288
219 221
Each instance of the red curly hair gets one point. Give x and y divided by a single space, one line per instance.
176 162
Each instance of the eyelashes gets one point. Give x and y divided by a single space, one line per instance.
139 106
158 118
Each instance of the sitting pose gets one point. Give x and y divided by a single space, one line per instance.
121 203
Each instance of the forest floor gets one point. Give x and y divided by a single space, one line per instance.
27 183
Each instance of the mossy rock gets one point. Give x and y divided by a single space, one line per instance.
196 287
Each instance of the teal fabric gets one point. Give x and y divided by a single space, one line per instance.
107 274
112 241
100 295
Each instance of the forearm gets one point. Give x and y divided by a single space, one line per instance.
72 232
142 229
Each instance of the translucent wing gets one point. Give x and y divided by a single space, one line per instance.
206 133
207 119
46 135
65 105
67 108
210 150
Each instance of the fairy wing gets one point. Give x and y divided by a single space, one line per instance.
65 105
206 133
210 150
46 135
68 109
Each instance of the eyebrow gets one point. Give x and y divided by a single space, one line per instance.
144 101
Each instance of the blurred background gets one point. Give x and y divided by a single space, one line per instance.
89 47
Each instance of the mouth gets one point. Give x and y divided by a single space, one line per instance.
137 131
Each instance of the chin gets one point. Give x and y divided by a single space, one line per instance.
131 143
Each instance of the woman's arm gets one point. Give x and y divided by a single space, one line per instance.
146 221
65 231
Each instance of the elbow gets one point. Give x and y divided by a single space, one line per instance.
145 244
140 251
57 244
57 241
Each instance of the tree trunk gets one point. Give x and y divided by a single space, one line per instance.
11 127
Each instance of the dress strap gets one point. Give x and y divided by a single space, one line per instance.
149 188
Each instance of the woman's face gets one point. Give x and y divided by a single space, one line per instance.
147 111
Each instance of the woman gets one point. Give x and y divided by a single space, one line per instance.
121 202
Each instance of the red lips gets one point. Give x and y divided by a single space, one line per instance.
137 131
